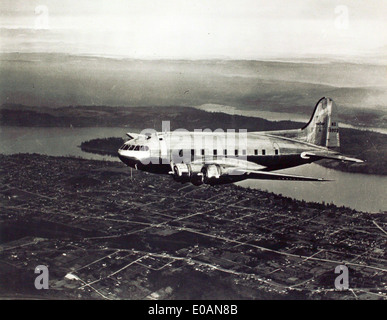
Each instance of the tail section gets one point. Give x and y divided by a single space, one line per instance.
323 127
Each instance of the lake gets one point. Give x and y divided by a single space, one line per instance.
54 141
357 191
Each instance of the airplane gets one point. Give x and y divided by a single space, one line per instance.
194 157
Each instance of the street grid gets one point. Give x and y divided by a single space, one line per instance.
152 238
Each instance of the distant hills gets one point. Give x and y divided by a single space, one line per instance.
134 118
55 80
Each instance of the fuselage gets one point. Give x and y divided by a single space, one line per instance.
222 157
156 153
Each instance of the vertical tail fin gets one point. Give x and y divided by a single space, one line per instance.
323 127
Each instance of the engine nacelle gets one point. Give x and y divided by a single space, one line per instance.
197 174
188 172
211 173
181 172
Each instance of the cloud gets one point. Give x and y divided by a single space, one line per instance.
197 28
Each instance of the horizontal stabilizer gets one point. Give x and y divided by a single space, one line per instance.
252 174
322 155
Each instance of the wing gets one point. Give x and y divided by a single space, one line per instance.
249 170
132 136
317 155
252 174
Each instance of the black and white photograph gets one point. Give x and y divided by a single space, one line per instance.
203 151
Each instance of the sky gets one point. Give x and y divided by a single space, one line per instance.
195 29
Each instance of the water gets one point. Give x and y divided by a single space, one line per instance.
54 141
357 191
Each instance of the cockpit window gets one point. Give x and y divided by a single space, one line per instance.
134 148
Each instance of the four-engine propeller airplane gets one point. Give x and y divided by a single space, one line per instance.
226 157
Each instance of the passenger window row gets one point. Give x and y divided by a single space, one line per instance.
236 152
215 152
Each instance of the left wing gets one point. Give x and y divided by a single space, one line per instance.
132 135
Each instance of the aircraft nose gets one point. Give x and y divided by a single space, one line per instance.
134 154
129 161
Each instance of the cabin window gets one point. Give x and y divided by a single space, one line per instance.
202 152
243 152
225 152
276 151
137 148
236 152
263 152
256 152
180 153
215 152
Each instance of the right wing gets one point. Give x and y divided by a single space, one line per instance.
267 175
254 171
328 155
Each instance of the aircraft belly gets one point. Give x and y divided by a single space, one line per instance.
276 162
153 165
